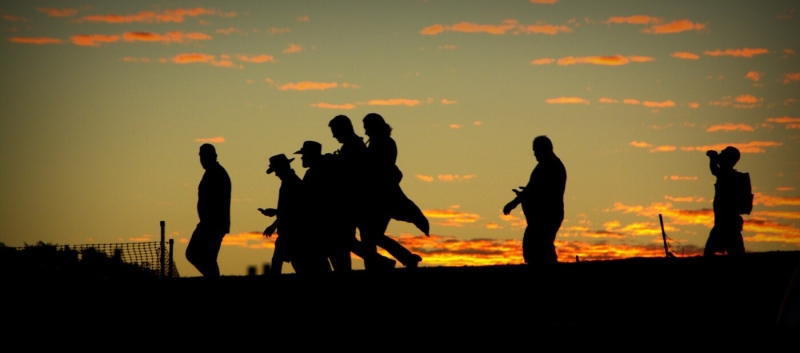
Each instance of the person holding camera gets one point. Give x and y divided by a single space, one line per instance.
732 198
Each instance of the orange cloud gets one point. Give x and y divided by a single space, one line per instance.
729 127
448 47
188 58
455 126
293 48
607 100
252 240
451 218
685 55
448 102
683 199
425 178
455 177
664 104
679 177
262 58
785 188
676 26
744 52
176 15
302 18
93 40
545 29
635 20
630 101
791 123
468 27
748 147
694 105
610 60
543 61
747 99
308 85
394 101
664 149
550 2
432 30
768 200
641 144
34 40
776 232
174 36
54 12
346 106
493 225
218 139
753 75
703 216
777 214
791 77
567 100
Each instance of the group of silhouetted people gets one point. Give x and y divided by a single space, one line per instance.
355 187
358 187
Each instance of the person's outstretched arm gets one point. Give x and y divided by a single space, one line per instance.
515 202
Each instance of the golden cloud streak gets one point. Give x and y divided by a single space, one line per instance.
346 106
394 101
611 60
685 55
176 15
34 40
54 12
567 100
730 127
791 77
218 139
744 52
308 85
748 147
676 26
768 200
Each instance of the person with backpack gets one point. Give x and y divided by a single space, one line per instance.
732 198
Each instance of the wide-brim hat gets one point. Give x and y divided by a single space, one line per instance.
277 161
310 147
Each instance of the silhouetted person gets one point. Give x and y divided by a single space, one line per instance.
542 203
386 199
324 195
350 163
294 243
214 211
732 197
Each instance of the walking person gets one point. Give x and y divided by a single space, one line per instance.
214 211
542 203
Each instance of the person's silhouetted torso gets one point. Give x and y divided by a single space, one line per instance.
214 198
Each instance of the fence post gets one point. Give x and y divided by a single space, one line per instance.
162 250
171 263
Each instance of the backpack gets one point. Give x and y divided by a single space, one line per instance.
744 195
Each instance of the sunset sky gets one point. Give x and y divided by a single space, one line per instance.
105 104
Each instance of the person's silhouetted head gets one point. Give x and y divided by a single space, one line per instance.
311 152
542 147
375 126
729 157
342 128
208 155
279 164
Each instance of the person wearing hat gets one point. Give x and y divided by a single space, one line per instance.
214 211
293 243
732 197
542 203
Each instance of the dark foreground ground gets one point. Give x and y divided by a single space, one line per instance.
641 294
